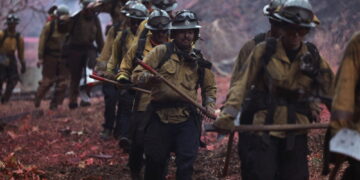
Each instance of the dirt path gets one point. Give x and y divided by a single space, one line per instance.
65 144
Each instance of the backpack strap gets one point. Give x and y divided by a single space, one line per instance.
169 51
141 45
122 44
259 38
202 65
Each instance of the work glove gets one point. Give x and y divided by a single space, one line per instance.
123 80
225 122
148 78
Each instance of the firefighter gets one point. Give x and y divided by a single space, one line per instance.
158 24
123 41
345 106
284 77
54 69
174 124
10 43
79 50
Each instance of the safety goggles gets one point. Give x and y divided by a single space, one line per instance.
160 21
185 15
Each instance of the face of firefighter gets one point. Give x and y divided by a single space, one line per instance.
292 36
160 36
134 24
184 38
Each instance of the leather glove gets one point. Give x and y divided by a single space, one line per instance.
148 78
225 122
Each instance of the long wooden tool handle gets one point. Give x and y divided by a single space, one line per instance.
228 155
284 127
118 84
173 87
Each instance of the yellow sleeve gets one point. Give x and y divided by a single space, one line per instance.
247 74
127 63
44 34
107 49
208 89
115 57
243 55
347 81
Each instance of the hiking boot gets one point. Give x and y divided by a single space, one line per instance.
105 134
84 103
73 105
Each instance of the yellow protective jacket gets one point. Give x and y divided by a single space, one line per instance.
184 76
120 49
51 40
106 52
10 45
280 73
242 57
346 103
128 65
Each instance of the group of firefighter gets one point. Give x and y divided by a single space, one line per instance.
278 79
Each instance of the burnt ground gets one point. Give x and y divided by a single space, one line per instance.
64 144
